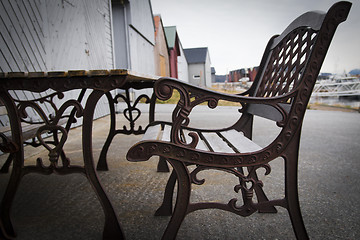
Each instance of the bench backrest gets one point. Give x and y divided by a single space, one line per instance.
292 60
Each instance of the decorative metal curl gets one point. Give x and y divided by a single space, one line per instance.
50 124
7 145
246 185
128 112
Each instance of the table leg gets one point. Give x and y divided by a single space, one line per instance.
112 229
6 228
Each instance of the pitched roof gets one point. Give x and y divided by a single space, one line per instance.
170 33
196 55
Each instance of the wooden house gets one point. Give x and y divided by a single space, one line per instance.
161 54
199 66
61 35
178 62
174 49
133 28
213 75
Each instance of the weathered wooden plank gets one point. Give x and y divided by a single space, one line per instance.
2 110
4 119
118 72
17 74
216 143
152 133
201 145
57 74
37 74
166 133
77 73
240 142
98 73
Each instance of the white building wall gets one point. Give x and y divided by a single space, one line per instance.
196 74
141 53
183 69
207 70
141 40
78 35
142 19
141 37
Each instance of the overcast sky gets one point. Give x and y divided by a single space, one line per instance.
237 31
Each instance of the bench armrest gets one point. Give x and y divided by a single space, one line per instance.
191 96
143 150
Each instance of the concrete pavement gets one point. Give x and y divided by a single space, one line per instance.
65 207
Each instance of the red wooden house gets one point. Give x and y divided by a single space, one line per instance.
174 49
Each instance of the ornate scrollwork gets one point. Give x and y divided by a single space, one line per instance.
130 111
50 124
246 186
6 145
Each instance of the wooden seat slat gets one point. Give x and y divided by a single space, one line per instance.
152 133
166 133
240 142
201 145
216 143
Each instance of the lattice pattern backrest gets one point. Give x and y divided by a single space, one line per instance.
286 63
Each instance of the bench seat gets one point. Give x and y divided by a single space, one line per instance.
230 141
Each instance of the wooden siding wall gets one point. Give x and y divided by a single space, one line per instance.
22 36
161 54
207 70
141 37
142 19
141 40
183 69
40 35
79 35
197 69
141 54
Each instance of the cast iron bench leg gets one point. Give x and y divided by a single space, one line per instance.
166 207
182 200
162 165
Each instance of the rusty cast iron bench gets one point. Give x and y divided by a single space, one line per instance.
280 92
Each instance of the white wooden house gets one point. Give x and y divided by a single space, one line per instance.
59 35
199 66
183 68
